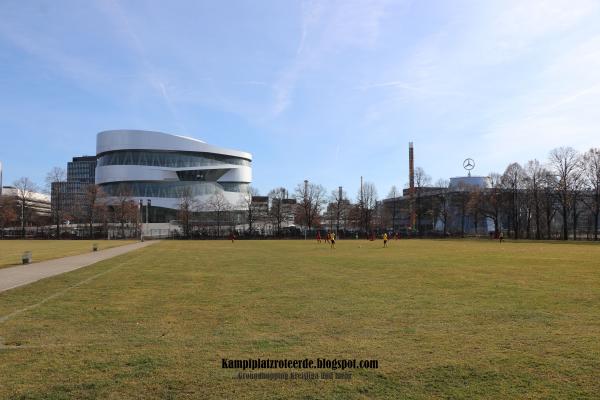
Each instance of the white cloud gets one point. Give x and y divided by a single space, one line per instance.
520 77
119 18
327 28
561 110
502 32
51 53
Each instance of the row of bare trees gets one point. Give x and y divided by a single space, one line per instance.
311 207
217 211
307 209
534 197
567 186
535 200
88 208
21 208
558 198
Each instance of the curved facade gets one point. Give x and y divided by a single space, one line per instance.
160 167
470 181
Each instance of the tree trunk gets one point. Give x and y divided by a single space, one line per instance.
548 224
574 221
565 223
58 216
513 221
23 218
596 214
537 219
445 223
596 217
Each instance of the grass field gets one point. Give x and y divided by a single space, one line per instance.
12 250
445 319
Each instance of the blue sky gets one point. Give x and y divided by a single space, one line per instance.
320 90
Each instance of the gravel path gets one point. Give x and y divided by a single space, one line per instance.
20 275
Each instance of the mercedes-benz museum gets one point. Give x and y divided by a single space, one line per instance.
159 167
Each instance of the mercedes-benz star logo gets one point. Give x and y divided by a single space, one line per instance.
469 164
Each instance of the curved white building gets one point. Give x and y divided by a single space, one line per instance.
159 166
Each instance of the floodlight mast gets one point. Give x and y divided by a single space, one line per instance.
362 204
306 205
339 205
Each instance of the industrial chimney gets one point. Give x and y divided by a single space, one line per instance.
411 167
411 181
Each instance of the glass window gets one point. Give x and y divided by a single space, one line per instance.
168 159
210 175
170 189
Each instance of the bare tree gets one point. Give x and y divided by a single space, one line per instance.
443 201
94 208
340 209
548 185
393 194
422 180
25 189
576 195
55 182
185 210
513 183
219 206
251 209
278 212
310 198
460 197
8 215
367 204
591 174
125 209
474 206
491 201
565 162
534 183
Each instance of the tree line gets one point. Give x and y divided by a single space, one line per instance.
559 198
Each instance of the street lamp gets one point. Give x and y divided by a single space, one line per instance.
338 212
148 205
141 220
305 205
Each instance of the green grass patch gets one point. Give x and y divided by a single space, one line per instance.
445 319
41 250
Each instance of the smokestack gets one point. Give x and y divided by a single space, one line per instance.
361 191
411 183
411 166
340 193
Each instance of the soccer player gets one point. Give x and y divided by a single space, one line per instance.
385 239
501 237
332 238
318 237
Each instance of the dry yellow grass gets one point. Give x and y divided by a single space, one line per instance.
445 319
12 250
